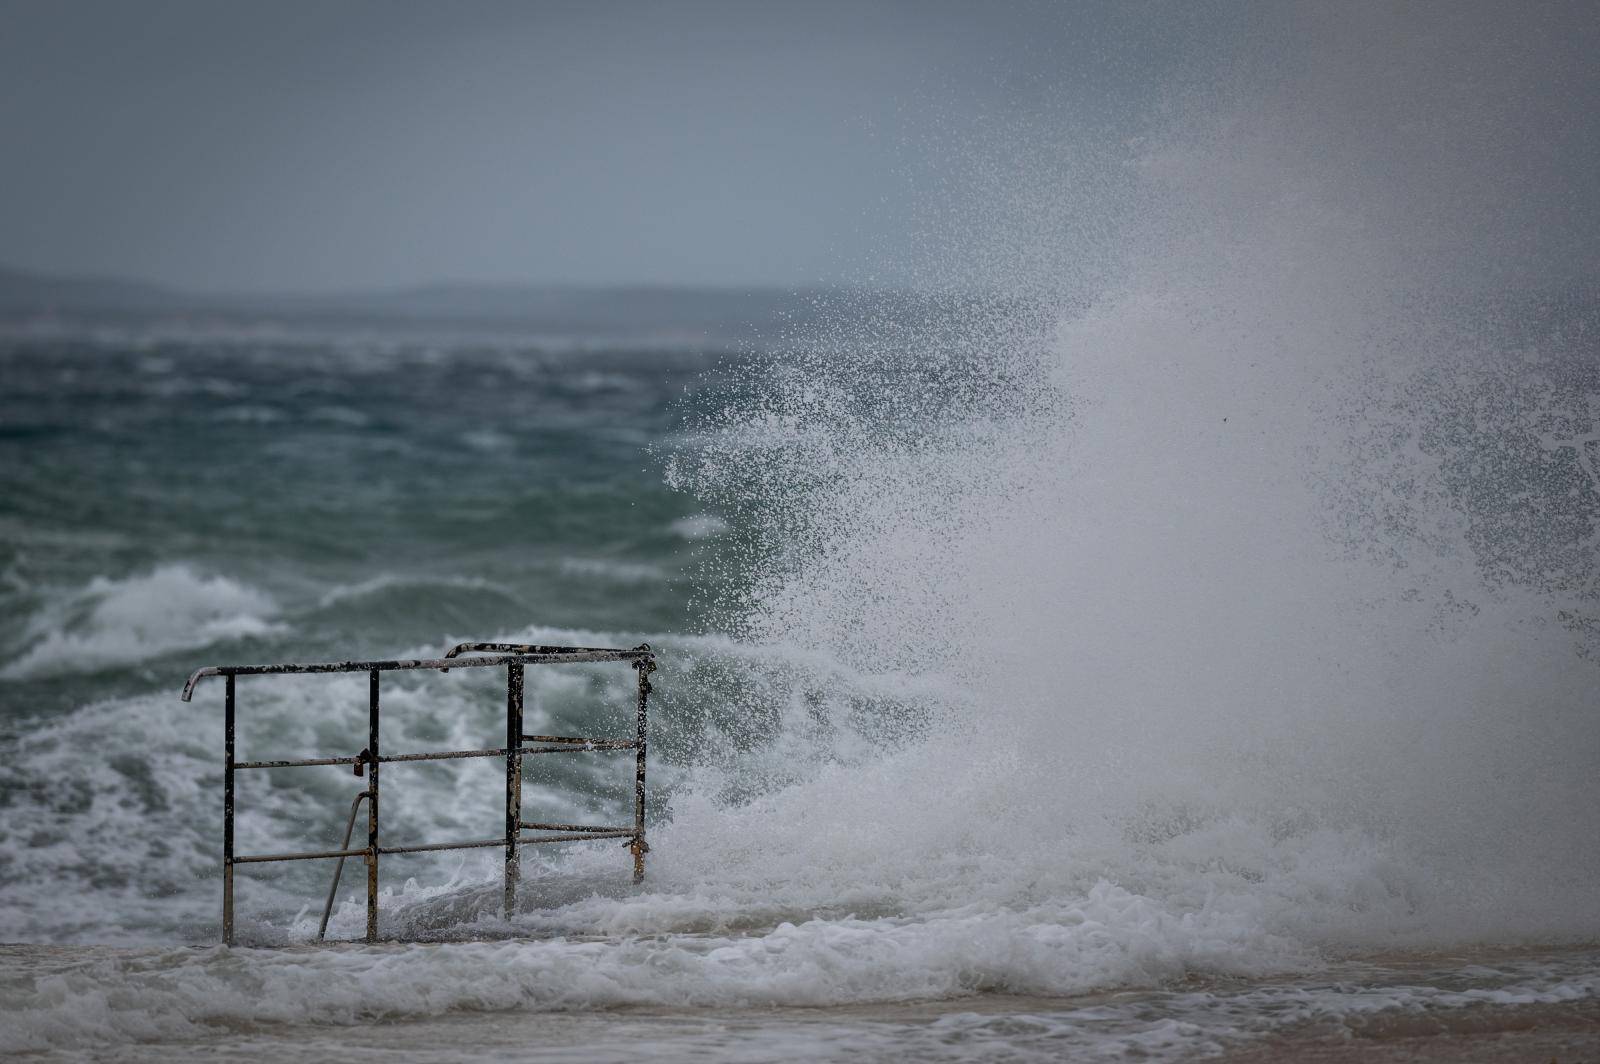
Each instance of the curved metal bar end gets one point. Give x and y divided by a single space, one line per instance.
195 677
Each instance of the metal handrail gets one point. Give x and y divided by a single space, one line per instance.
520 648
543 656
568 746
338 869
642 660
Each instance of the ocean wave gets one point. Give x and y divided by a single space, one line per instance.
814 963
116 621
613 570
699 526
801 863
385 582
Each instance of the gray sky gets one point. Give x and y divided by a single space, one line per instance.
292 145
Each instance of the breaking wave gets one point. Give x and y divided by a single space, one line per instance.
122 621
1218 599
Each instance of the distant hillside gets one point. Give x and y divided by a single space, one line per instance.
711 313
633 309
770 319
27 293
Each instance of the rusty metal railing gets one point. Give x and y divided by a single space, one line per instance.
513 657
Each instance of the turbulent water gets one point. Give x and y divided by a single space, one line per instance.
1020 686
174 502
1188 630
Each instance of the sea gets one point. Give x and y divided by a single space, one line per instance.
1036 682
1153 616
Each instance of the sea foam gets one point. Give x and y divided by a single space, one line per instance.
1162 629
112 621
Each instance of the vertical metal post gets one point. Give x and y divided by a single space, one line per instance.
372 807
639 848
513 784
227 814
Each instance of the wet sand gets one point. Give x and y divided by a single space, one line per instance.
1537 1034
1480 1005
1567 1034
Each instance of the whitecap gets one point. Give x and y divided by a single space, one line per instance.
699 526
116 621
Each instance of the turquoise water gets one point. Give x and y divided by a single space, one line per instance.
379 494
1001 669
1183 630
168 502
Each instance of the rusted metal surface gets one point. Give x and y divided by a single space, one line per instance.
513 656
586 745
610 829
440 664
372 807
305 763
445 755
639 847
513 783
429 847
525 648
625 833
338 869
305 855
499 840
575 746
227 813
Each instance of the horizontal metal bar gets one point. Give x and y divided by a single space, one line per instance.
601 744
572 739
311 856
412 663
587 744
577 827
315 855
627 834
307 763
448 755
475 844
526 648
430 846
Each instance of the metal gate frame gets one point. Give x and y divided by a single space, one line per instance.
514 657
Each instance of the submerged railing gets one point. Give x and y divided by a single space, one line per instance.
513 657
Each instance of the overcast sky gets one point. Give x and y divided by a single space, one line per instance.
292 145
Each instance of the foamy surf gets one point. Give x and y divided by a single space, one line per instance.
731 997
110 622
1176 636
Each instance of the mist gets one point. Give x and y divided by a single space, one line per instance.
1134 592
1272 549
300 147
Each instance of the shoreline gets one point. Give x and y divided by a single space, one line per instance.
1470 1005
1539 1034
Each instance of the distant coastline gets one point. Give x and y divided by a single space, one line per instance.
718 314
